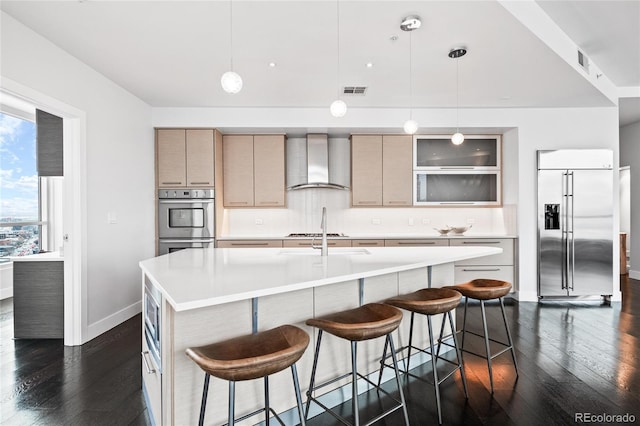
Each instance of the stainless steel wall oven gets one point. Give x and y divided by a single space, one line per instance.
186 218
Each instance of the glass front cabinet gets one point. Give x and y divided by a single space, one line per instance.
447 175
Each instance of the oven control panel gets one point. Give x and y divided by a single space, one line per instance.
182 193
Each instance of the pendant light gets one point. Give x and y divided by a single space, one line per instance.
457 53
231 82
409 24
338 107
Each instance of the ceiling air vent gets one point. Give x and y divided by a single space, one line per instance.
583 61
355 90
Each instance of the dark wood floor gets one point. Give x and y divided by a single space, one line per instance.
573 358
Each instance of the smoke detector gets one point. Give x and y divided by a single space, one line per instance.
410 23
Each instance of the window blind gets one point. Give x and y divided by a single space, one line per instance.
49 144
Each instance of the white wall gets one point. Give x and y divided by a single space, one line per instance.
630 156
115 173
525 130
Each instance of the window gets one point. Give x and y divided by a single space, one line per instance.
20 215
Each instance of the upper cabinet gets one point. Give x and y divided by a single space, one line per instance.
254 170
381 170
185 157
449 175
477 152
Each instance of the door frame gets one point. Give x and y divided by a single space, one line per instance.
74 205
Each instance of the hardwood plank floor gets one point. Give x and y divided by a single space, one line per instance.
573 358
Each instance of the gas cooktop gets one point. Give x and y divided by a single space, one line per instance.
315 235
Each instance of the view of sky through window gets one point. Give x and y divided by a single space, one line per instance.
18 186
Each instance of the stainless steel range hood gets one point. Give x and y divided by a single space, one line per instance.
318 162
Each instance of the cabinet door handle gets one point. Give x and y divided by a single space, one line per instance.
249 244
481 269
172 183
481 242
367 202
416 243
200 183
367 244
237 202
457 168
270 202
146 363
459 203
404 203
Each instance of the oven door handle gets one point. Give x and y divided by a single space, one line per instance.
187 201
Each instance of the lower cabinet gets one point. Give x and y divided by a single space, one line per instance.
317 243
498 267
248 243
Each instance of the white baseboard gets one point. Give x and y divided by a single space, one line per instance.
525 296
634 274
6 293
106 324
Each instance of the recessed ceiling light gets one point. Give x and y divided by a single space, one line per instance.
369 64
272 64
393 38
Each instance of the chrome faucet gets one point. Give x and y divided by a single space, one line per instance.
324 249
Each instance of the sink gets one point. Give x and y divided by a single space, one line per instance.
340 251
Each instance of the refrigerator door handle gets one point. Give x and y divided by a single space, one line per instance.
571 261
563 226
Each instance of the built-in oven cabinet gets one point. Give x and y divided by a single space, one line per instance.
500 266
317 242
185 158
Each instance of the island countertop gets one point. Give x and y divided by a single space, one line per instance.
196 278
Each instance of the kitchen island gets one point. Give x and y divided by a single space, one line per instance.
207 295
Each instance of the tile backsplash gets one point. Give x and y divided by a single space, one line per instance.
304 207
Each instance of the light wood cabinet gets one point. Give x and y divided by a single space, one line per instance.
248 243
185 158
367 243
171 157
417 242
498 266
254 170
269 170
237 159
381 173
317 242
397 154
366 170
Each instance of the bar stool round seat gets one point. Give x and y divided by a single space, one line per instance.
483 289
366 322
251 357
430 302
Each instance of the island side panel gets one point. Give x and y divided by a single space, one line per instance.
199 327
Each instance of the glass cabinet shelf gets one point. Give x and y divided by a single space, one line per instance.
436 152
450 188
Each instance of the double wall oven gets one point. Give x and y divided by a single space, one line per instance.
186 219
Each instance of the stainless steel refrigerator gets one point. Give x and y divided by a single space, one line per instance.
575 223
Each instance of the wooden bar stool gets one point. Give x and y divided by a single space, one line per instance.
367 322
430 302
482 290
251 357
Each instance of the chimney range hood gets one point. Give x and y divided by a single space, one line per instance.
318 162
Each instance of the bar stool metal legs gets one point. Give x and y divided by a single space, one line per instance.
483 290
364 323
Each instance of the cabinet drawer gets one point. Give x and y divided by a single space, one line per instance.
504 258
367 243
468 273
417 242
249 243
317 242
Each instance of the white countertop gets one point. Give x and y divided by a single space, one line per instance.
195 278
52 256
357 236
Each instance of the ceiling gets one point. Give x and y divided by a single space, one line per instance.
172 53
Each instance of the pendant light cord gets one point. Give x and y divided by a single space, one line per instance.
231 33
338 45
457 97
410 75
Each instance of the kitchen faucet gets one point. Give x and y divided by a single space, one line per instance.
324 249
